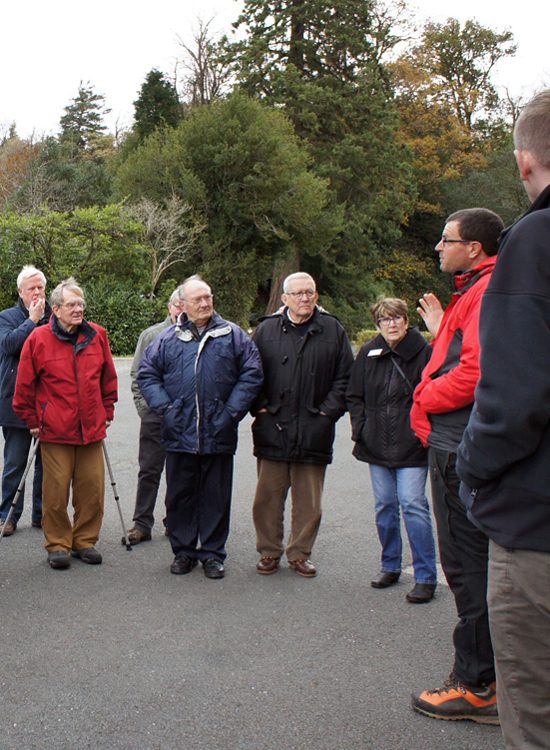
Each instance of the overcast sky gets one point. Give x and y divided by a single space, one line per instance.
47 48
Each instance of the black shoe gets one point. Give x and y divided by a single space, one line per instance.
384 580
182 564
421 593
59 559
88 555
213 568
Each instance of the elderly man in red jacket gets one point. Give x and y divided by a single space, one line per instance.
65 392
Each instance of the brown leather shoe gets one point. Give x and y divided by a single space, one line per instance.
303 567
9 528
267 565
137 536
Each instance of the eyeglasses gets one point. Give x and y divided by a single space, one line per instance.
388 320
74 305
445 241
309 293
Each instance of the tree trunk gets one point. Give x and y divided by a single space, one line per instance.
281 269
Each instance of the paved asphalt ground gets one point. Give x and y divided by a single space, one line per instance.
126 656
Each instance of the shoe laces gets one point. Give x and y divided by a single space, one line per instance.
450 684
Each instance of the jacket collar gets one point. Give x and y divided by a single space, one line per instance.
186 329
85 334
540 202
47 311
407 348
463 281
315 322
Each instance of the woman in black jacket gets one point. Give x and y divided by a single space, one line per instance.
379 398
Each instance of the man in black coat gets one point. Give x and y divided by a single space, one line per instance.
16 325
504 457
307 359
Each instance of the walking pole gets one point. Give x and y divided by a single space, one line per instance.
21 486
117 499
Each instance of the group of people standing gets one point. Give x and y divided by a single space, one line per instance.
472 409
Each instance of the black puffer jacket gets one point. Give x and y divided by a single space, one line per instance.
301 380
379 399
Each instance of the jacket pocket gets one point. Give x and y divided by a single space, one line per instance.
317 435
267 432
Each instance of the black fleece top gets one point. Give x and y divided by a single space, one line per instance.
504 457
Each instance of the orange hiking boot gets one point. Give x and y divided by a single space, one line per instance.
455 701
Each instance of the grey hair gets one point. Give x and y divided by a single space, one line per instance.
26 273
188 280
297 275
69 284
175 297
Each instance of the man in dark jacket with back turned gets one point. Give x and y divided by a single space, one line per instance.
307 359
16 325
201 376
504 457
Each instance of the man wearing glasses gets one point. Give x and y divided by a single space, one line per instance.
442 404
151 451
65 392
307 359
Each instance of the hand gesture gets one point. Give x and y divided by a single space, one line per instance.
36 309
431 312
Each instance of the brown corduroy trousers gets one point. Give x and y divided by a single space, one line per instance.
82 467
305 482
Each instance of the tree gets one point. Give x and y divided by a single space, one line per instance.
321 62
56 179
457 63
240 167
170 235
82 126
157 105
454 122
206 75
16 156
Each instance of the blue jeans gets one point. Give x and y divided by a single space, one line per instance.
17 443
404 488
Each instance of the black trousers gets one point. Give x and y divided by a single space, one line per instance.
151 466
464 555
198 503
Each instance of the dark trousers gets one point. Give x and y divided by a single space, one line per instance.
151 465
17 443
464 555
198 503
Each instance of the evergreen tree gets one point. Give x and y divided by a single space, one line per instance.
157 105
320 61
82 126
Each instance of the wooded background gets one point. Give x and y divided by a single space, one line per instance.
332 138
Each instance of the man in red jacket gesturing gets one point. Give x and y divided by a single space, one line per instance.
442 405
65 392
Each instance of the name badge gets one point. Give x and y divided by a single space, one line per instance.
375 352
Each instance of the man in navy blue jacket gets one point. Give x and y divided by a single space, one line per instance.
16 325
201 376
504 457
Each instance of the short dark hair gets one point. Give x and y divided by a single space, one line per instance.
479 225
532 128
